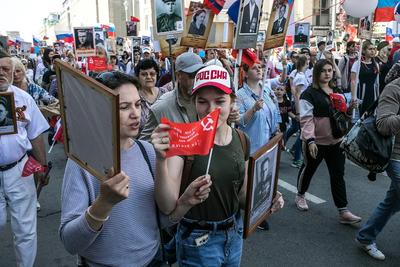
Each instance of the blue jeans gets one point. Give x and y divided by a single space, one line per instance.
389 206
221 248
294 127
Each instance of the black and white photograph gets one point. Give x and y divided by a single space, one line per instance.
281 14
120 41
146 40
248 24
99 37
110 46
4 42
84 41
136 41
250 16
131 28
278 25
302 34
329 38
262 183
8 120
168 16
261 36
199 21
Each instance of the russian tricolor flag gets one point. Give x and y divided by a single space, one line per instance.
385 10
35 41
66 37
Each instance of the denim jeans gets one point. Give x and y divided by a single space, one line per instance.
221 248
382 213
294 128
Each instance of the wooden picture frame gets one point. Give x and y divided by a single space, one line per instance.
8 115
168 24
90 119
84 42
256 213
193 36
278 23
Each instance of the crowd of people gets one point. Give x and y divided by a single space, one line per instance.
284 92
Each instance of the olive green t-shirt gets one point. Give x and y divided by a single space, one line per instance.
227 172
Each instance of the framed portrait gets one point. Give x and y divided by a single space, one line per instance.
84 42
111 46
146 40
91 128
131 28
218 40
365 27
278 23
99 37
250 12
168 17
25 48
8 116
302 35
261 37
120 41
198 25
262 184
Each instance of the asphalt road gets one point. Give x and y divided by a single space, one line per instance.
313 238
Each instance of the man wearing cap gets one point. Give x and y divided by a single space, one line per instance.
16 192
146 53
176 105
168 21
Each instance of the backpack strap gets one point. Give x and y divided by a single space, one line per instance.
187 167
146 158
244 141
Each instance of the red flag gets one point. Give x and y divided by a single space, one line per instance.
135 19
32 166
58 136
338 102
196 138
215 5
97 64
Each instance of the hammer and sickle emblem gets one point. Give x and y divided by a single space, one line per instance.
207 126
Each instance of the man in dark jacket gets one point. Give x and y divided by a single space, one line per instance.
250 18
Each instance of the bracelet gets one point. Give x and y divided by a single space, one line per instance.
94 217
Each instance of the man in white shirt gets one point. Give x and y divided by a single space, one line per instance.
16 192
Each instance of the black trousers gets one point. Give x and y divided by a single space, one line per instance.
335 160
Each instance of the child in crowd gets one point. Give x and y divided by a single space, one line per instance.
285 107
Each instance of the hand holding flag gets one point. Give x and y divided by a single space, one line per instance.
196 138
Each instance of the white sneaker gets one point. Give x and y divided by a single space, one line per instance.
37 205
372 250
301 203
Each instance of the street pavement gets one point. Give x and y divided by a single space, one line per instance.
295 238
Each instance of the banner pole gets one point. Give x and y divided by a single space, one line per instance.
238 63
354 92
171 60
209 161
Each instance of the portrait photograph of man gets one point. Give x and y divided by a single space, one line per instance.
84 38
169 16
99 38
7 114
280 19
263 183
250 16
302 31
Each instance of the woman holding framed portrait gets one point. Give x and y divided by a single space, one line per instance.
212 223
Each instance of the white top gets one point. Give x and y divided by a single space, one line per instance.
308 73
14 146
302 81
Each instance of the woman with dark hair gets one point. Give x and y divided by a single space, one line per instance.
368 77
44 63
345 65
121 209
197 26
321 142
147 72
